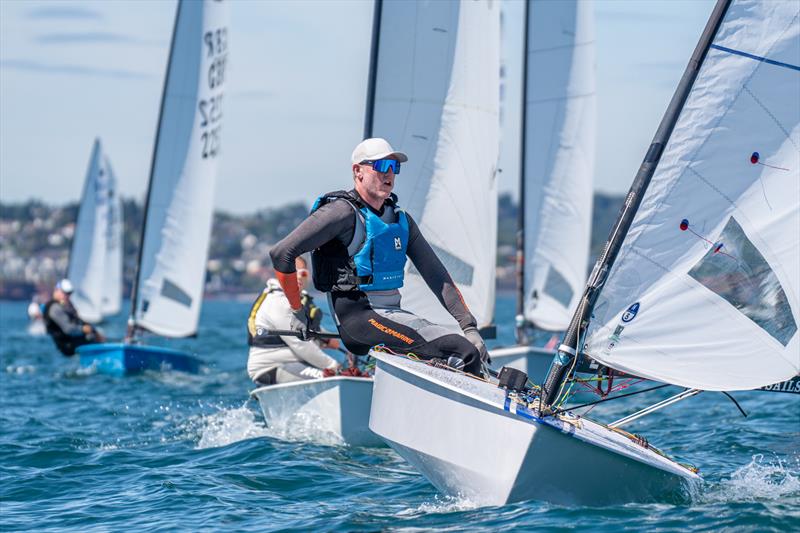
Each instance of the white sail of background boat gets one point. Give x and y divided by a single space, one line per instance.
168 286
433 90
556 174
95 260
557 170
697 286
436 97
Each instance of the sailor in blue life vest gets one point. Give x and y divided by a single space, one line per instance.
64 324
276 359
359 241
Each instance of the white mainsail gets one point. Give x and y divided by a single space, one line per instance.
181 193
559 152
111 302
436 98
704 291
95 260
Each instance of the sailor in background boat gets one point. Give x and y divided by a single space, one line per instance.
36 324
275 359
64 325
359 241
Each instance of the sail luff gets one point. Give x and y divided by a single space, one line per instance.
373 68
132 326
521 204
569 348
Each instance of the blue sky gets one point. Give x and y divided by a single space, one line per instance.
294 104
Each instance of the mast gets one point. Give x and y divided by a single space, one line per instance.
373 68
521 322
568 350
135 288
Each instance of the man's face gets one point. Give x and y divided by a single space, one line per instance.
372 184
60 296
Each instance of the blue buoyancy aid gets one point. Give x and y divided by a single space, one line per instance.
376 256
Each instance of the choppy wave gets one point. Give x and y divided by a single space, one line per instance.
762 479
168 451
228 426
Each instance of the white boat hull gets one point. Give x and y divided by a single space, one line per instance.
336 407
468 441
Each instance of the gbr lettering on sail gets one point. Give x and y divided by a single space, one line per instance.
215 44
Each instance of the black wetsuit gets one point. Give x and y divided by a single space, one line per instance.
368 319
66 327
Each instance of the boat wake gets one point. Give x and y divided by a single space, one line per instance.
228 426
20 369
761 479
302 427
441 505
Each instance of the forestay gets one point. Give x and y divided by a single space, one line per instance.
559 152
180 197
95 260
704 292
436 97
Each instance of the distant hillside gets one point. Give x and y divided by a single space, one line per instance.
605 210
35 241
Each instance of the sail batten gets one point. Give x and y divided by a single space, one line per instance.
436 98
704 290
178 215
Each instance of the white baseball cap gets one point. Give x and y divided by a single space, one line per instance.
65 285
374 149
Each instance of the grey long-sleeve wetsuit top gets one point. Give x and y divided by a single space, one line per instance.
68 321
336 220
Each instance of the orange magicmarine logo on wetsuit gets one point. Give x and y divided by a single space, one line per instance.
390 331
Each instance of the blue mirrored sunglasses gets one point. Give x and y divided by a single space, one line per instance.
383 165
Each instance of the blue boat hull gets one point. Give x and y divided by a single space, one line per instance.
118 359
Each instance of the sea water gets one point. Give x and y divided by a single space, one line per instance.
169 451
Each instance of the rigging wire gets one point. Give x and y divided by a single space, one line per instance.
735 403
614 398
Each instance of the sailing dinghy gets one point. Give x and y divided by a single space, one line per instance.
556 174
697 286
433 90
168 286
336 406
95 259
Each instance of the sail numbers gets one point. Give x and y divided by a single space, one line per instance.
210 109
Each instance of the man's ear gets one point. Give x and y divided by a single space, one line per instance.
356 172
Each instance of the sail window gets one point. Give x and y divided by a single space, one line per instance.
557 287
734 269
461 271
175 293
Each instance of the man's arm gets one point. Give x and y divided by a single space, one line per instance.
277 315
436 276
330 221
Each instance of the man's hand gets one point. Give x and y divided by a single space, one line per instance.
331 344
299 322
475 338
332 371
